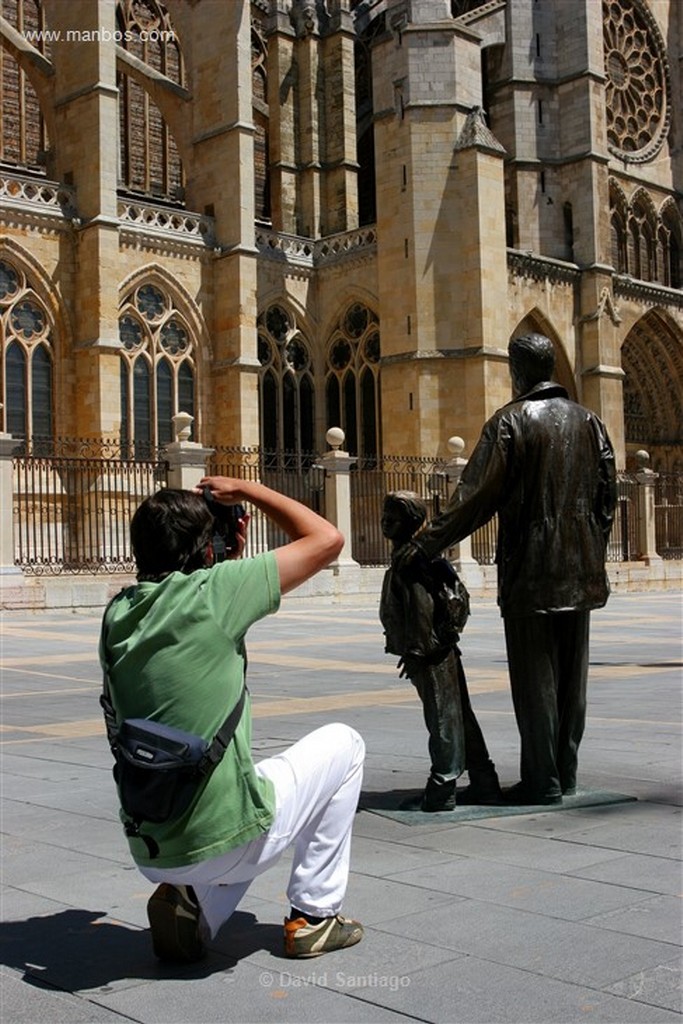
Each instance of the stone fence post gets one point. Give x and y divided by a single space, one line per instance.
461 554
645 477
337 465
7 445
186 459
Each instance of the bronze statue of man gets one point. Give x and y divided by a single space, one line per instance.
546 465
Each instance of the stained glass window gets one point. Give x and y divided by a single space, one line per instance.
286 389
149 160
352 381
157 368
25 330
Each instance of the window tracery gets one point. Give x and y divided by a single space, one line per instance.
352 379
637 81
670 246
286 385
157 372
259 85
645 243
28 356
149 160
23 137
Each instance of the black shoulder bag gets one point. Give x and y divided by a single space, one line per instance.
160 770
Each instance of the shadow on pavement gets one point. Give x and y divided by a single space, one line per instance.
76 950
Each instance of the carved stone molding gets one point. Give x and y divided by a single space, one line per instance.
606 307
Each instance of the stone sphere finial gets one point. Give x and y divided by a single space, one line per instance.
642 458
335 437
182 425
456 445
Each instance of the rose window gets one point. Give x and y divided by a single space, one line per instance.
174 338
636 81
27 320
150 302
278 322
130 333
296 355
340 356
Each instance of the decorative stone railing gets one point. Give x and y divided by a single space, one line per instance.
162 221
306 252
648 292
541 268
37 196
287 248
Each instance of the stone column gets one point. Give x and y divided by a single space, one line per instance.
337 465
220 181
86 123
647 545
186 459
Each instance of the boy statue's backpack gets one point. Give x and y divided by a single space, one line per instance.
451 601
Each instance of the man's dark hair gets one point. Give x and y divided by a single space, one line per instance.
170 532
532 358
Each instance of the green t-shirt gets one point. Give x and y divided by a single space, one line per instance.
175 653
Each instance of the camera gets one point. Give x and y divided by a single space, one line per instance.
225 519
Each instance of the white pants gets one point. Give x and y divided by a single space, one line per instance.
317 784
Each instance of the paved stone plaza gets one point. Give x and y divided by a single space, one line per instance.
561 915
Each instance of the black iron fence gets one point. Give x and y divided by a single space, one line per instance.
369 485
296 475
623 542
669 515
73 501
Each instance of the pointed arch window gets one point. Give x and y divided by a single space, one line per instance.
286 389
23 136
642 250
619 249
158 371
352 381
365 132
259 93
28 357
670 248
148 156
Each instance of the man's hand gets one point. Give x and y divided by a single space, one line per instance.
405 556
409 666
227 489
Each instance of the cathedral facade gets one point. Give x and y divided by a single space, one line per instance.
287 215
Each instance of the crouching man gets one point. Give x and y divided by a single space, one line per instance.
173 648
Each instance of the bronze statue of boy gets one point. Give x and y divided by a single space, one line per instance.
422 609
